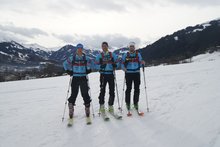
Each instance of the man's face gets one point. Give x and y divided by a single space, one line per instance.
79 50
104 47
131 48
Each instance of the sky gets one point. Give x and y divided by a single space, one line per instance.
54 23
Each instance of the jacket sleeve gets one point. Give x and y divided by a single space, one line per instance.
97 62
116 61
140 59
123 61
67 64
88 63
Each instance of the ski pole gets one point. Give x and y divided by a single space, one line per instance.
123 94
116 86
70 82
87 77
145 87
102 80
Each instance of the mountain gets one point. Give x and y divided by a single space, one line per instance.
35 46
69 50
14 53
172 48
184 43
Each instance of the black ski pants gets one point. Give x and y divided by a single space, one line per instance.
104 79
132 78
82 83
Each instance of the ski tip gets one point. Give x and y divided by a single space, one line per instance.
89 123
69 125
106 118
120 117
141 113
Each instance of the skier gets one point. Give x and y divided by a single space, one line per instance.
106 64
78 66
131 63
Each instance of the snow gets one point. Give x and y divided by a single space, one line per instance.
184 111
4 53
176 38
16 45
206 57
35 47
196 30
205 25
22 56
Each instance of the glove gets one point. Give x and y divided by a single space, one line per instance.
69 72
127 60
88 71
114 65
103 66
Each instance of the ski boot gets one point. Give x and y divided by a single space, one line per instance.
88 119
129 110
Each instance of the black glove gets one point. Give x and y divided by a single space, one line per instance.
88 71
69 72
126 63
114 65
127 60
103 66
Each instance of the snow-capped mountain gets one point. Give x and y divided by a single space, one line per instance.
184 43
35 47
178 46
69 50
15 53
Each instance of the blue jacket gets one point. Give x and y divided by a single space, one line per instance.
108 61
77 64
132 62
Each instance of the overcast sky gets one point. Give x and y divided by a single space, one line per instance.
52 23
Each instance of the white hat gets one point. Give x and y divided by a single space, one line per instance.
131 44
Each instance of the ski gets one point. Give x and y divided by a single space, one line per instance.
116 116
88 121
140 113
70 122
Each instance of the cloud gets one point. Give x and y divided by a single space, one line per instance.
87 5
27 32
65 38
58 6
68 6
197 2
5 36
94 41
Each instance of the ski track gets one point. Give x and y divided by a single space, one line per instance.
184 111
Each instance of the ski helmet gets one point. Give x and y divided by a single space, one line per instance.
79 46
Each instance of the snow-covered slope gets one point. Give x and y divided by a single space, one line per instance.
184 111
